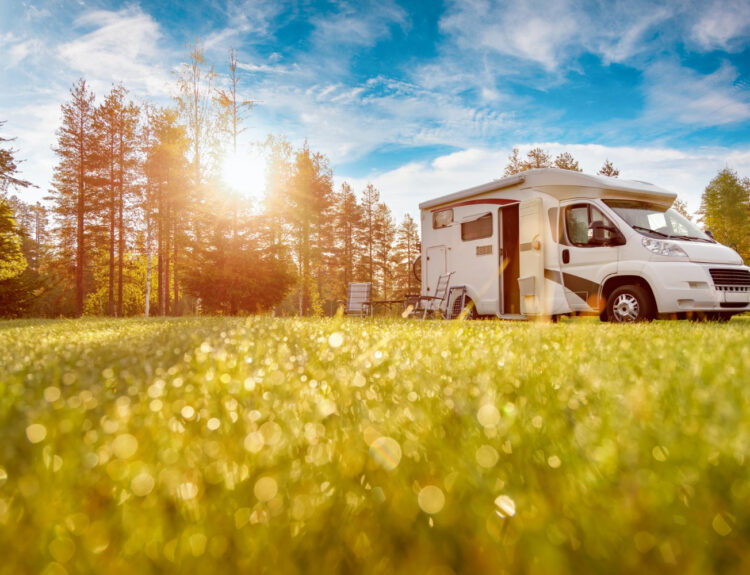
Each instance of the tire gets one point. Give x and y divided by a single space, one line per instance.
629 304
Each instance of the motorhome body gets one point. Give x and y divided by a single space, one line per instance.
548 242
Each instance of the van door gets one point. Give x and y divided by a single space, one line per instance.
510 298
585 263
435 266
531 256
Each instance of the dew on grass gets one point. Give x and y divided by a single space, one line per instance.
36 432
124 446
487 456
488 415
431 499
265 489
386 452
505 507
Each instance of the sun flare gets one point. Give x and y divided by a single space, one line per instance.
245 173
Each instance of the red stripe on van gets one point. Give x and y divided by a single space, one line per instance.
495 201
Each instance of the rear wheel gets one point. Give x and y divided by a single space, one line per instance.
629 304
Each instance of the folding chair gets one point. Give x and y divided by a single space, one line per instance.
358 299
430 304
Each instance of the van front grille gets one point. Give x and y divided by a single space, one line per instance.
733 280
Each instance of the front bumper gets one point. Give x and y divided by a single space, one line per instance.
688 286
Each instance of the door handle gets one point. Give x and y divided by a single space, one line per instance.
566 256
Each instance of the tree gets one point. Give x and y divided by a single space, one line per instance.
117 125
724 211
681 208
385 233
12 260
74 184
565 161
515 164
608 170
9 167
407 249
369 200
536 158
348 224
166 195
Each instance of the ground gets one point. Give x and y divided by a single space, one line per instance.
373 446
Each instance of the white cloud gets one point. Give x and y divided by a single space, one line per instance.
686 172
678 93
724 24
123 47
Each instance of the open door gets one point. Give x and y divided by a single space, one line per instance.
531 256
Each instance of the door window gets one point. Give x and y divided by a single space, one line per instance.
578 223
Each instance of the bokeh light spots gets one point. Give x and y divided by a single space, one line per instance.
488 416
431 499
254 441
386 452
265 489
505 506
336 339
271 432
36 432
213 424
554 461
142 484
124 446
52 394
487 456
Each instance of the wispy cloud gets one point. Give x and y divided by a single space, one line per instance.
723 24
122 47
681 94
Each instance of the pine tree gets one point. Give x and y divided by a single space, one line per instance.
369 200
566 161
385 233
74 185
9 167
608 170
407 249
515 164
117 125
348 223
536 158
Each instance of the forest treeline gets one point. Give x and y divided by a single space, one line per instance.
139 216
140 219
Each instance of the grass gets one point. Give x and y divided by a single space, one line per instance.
335 446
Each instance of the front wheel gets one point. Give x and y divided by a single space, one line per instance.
629 304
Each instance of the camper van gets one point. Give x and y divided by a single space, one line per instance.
550 242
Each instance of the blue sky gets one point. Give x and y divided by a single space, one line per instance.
421 98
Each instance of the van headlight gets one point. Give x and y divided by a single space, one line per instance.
662 248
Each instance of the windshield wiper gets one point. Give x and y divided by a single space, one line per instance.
693 238
649 230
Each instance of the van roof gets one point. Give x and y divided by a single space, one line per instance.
563 184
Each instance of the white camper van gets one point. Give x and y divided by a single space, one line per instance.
548 242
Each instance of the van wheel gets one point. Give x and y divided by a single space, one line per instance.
628 304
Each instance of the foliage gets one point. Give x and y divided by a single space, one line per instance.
9 167
608 170
680 206
12 260
724 211
539 158
336 446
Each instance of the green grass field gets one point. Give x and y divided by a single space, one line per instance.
352 446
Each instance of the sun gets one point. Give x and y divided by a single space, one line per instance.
245 173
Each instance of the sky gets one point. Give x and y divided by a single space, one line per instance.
421 98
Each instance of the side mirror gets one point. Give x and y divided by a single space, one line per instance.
709 234
601 234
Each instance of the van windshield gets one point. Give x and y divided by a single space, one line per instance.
656 221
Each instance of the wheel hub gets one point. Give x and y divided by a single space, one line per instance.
626 308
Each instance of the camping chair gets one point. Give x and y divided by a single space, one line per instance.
430 304
358 299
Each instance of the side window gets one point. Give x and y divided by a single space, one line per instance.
477 229
579 223
442 219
